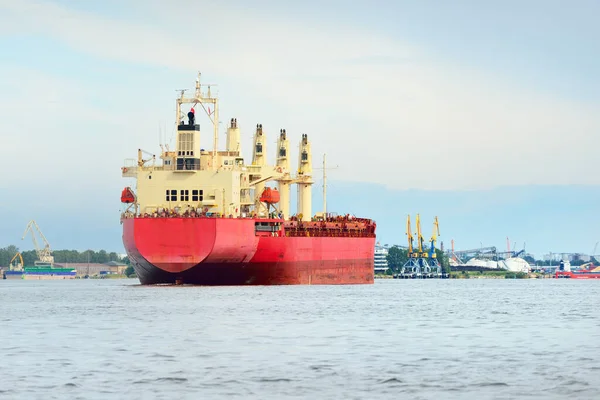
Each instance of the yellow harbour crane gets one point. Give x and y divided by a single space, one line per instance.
422 262
18 265
410 238
434 236
420 238
44 254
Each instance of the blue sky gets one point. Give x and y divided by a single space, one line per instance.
486 114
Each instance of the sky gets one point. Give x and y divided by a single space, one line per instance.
486 114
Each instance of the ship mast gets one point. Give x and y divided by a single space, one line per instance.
202 99
324 186
325 168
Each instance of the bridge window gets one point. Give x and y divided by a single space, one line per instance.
258 148
197 195
282 152
171 195
304 156
184 195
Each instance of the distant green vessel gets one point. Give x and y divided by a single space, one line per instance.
41 273
44 266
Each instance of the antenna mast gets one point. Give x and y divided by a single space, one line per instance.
202 99
324 185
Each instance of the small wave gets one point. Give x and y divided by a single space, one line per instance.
575 382
71 384
172 379
162 379
274 380
391 380
487 384
158 355
319 367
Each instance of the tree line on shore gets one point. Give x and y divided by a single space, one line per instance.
60 256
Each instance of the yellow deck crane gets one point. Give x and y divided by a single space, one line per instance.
44 254
16 266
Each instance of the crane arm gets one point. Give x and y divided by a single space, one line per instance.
46 244
409 235
35 243
20 259
141 160
419 235
434 236
45 254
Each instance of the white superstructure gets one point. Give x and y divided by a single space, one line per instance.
192 179
381 264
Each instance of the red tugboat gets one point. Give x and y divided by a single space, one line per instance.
564 271
208 218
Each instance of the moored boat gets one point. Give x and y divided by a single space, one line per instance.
564 272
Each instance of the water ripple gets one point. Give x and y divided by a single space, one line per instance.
470 339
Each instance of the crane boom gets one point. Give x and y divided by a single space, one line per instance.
16 267
409 235
434 236
44 254
419 235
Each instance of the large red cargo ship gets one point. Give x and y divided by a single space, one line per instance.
209 218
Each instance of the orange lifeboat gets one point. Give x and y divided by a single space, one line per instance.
269 196
127 195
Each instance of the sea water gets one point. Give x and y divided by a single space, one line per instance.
413 339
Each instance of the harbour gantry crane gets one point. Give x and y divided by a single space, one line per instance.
433 261
420 260
44 254
420 239
434 236
409 237
411 266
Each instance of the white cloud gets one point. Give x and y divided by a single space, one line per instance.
384 110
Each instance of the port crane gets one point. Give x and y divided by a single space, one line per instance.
420 260
409 236
420 239
411 265
16 266
433 261
44 254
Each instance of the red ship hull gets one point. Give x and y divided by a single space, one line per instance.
223 251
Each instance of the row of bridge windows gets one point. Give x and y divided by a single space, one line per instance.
184 195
